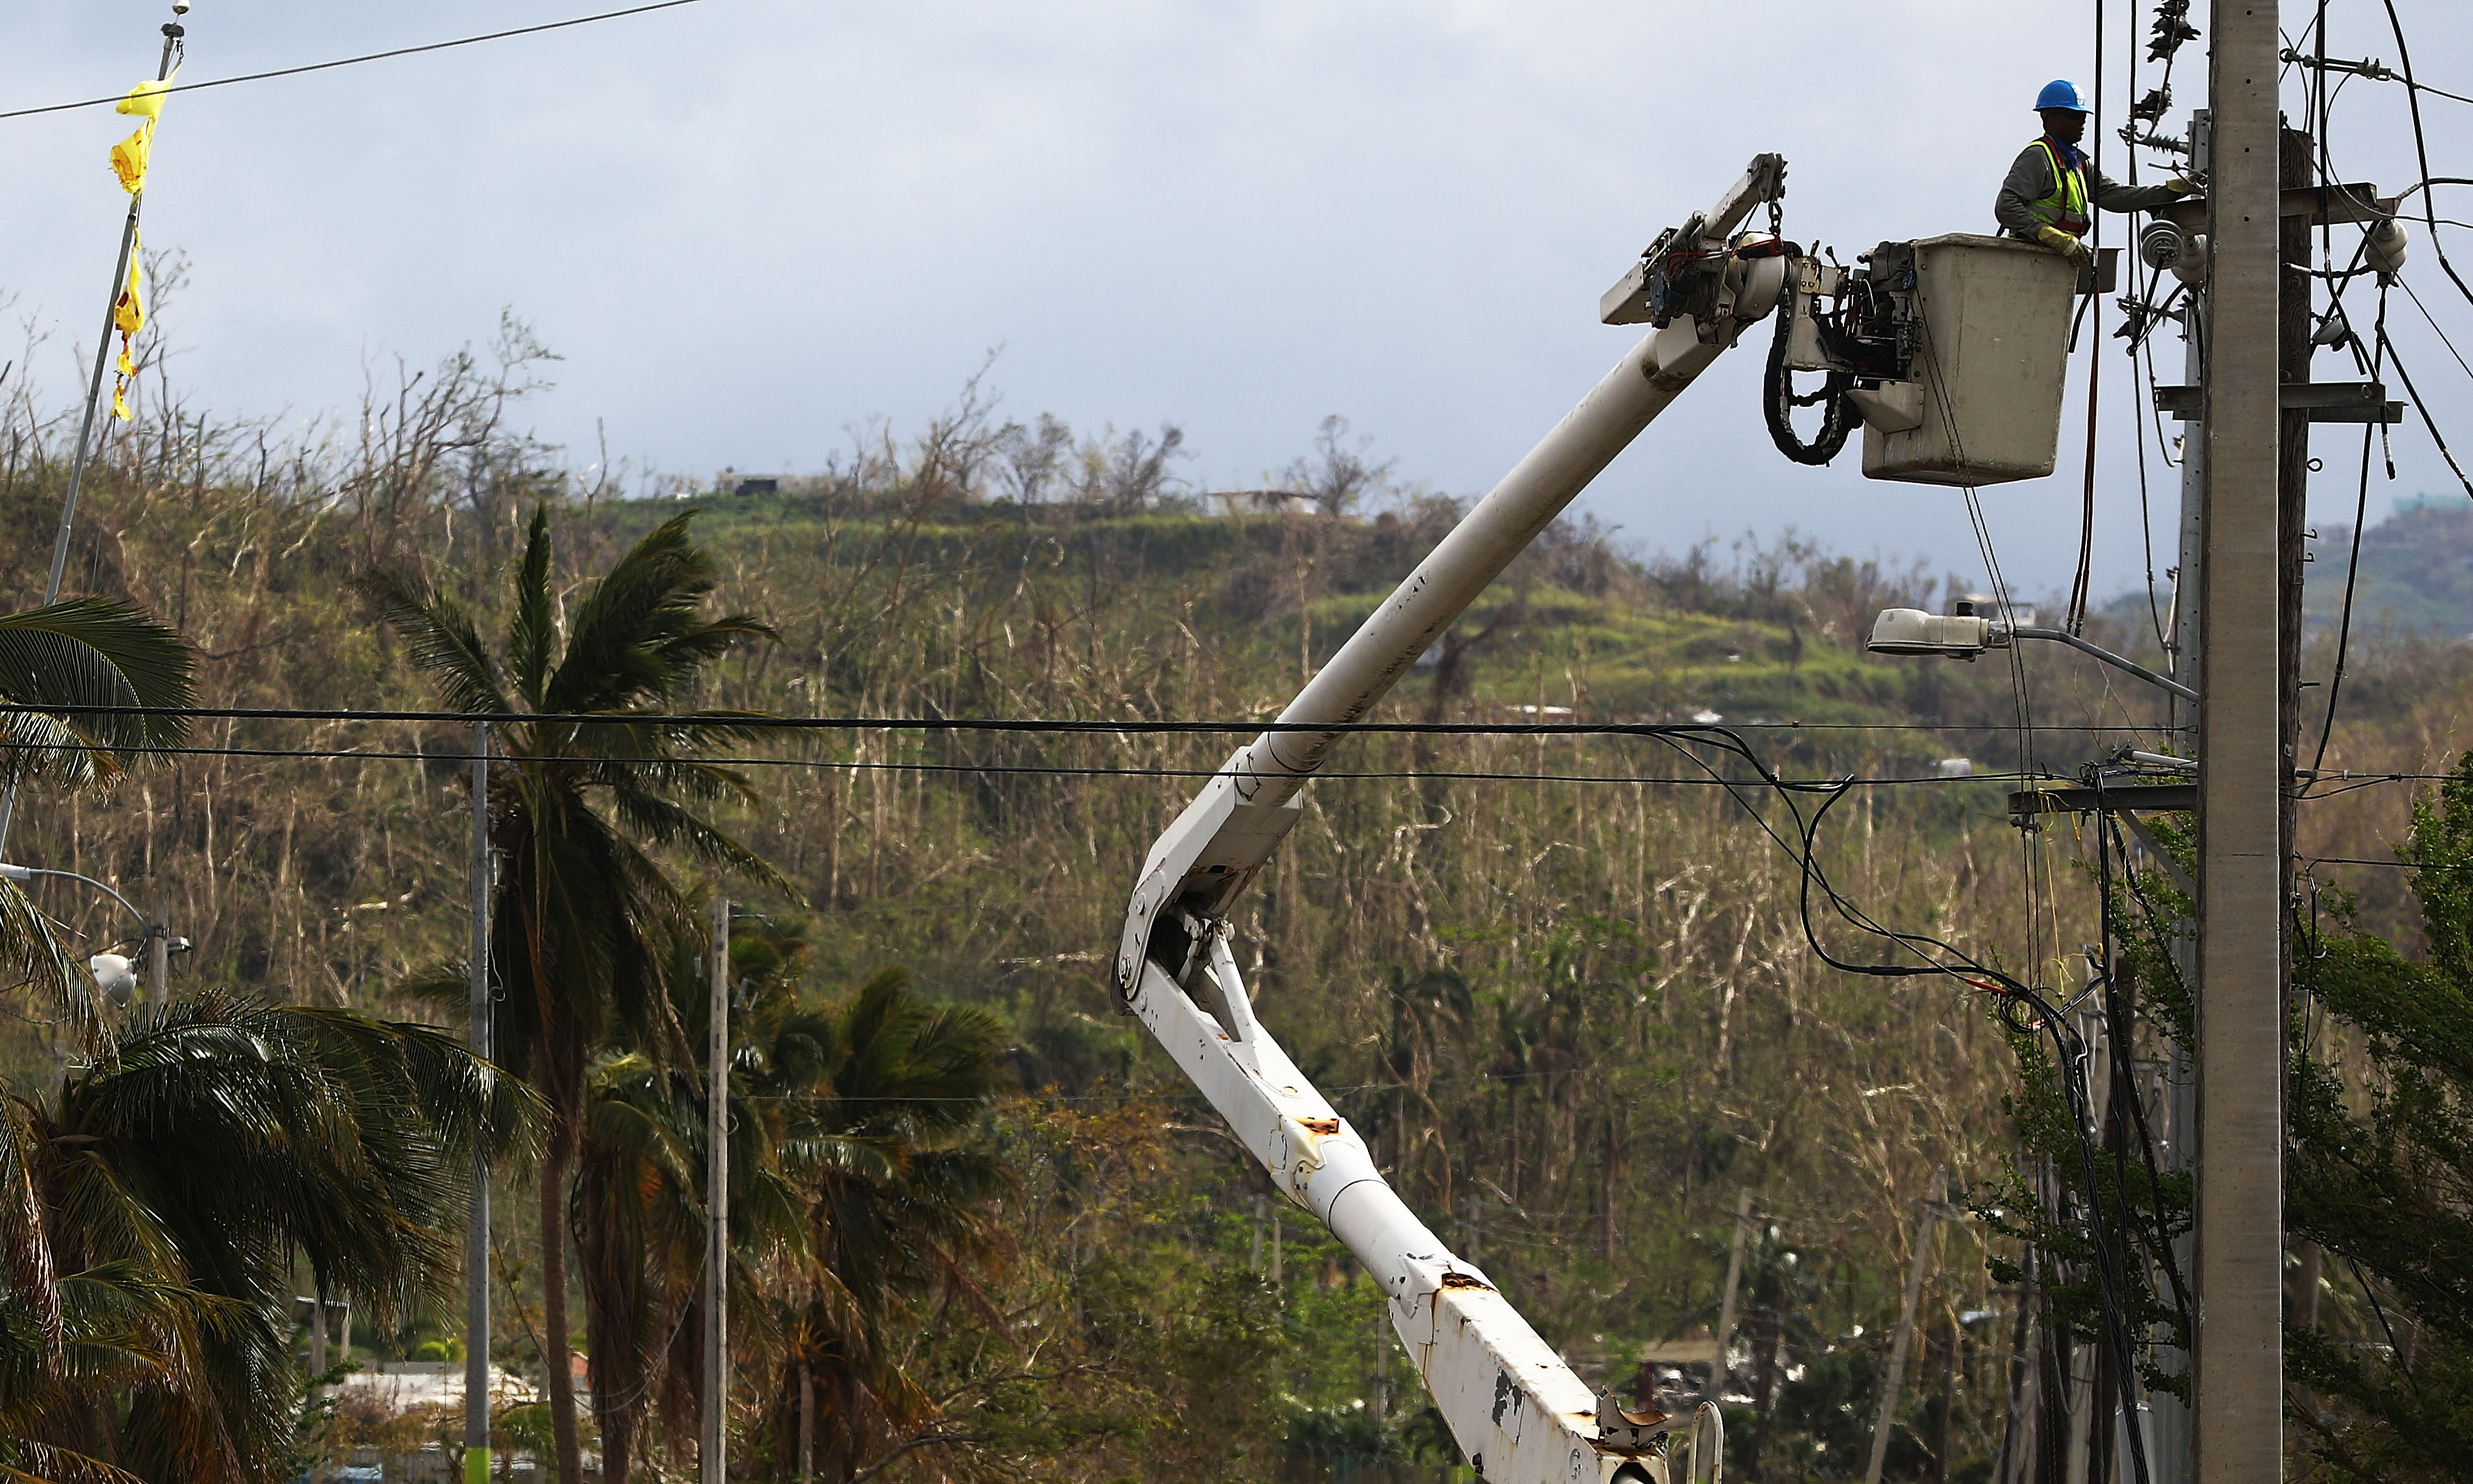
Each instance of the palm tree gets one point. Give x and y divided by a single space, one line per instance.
153 1211
858 1187
639 1204
581 907
56 662
878 1106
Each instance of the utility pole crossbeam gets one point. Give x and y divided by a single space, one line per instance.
713 1456
476 1229
2239 1360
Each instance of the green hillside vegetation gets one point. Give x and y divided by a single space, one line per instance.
1574 1020
2415 572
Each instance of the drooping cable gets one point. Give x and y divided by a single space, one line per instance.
2352 574
2421 153
1778 398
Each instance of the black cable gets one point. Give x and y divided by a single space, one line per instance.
2388 350
730 721
349 62
2146 1133
2435 327
2116 1027
351 754
2421 153
2352 573
1778 398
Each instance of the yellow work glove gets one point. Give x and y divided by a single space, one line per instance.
2179 186
2065 244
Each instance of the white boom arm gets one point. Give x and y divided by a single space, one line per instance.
1514 1407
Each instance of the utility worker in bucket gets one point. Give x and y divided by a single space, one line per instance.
2051 192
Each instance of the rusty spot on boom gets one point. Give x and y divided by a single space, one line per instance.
1466 1280
1320 1125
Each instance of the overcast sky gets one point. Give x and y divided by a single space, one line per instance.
751 225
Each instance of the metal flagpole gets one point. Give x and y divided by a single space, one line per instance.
173 31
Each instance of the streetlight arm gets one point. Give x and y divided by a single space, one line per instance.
2064 636
25 873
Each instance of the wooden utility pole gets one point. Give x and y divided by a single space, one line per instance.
476 1228
713 1457
1898 1348
2294 166
2243 773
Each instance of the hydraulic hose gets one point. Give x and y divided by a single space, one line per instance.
1778 400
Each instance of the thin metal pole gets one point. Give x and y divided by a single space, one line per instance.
1898 1348
1734 1286
158 957
172 35
2239 1360
476 1230
712 1459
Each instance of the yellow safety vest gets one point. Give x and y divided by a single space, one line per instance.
2066 206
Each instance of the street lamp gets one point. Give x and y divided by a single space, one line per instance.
113 972
1910 631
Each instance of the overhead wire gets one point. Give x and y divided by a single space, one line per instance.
2421 155
2352 576
758 721
355 61
498 754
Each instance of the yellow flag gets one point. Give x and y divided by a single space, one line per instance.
129 310
145 99
120 402
129 158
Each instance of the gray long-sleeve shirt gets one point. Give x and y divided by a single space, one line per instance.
2031 179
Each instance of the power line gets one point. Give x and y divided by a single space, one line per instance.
353 61
728 721
358 755
2400 865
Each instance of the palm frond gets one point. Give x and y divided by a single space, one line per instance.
532 633
25 1246
443 643
57 751
98 652
33 956
655 819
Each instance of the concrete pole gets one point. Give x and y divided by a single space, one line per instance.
713 1457
1898 1348
2239 1365
806 1424
476 1228
1725 1336
158 957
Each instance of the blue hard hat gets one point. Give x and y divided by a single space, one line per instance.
2060 93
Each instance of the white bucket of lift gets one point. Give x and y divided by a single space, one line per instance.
1996 333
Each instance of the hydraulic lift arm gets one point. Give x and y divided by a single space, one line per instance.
1514 1407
